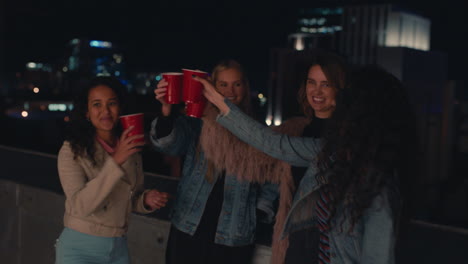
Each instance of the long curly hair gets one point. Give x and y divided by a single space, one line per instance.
334 68
368 140
81 132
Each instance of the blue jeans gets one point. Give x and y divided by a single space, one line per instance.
74 247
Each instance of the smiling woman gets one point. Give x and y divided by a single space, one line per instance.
101 174
216 209
103 111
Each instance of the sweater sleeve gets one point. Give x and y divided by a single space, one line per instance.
85 196
139 199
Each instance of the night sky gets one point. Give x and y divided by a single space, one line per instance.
157 35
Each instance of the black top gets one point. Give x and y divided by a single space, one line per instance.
315 129
206 229
304 244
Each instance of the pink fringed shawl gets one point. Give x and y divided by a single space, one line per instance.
227 152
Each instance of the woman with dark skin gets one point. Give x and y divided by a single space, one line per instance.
355 170
101 173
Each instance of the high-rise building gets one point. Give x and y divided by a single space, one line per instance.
398 41
87 58
94 56
358 31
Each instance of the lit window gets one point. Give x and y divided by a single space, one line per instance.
100 44
31 65
338 28
57 107
321 21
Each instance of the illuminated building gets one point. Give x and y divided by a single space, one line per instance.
88 58
358 31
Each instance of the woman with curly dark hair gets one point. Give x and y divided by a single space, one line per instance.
101 173
351 188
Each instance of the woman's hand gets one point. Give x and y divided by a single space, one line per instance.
127 146
213 96
160 92
155 200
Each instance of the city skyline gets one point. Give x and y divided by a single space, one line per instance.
184 35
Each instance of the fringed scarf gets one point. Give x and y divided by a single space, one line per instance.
226 152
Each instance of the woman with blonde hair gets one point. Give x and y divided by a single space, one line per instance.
216 208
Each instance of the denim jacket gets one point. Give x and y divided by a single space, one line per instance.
237 220
372 239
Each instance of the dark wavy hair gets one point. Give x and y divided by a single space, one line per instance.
334 68
369 139
81 132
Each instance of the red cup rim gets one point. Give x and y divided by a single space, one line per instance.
172 73
194 70
131 115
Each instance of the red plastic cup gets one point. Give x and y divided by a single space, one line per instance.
195 109
193 90
135 120
174 87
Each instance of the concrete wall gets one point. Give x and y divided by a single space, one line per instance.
29 229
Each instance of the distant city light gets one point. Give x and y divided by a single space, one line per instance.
24 114
117 58
338 28
100 44
66 119
299 43
31 65
65 69
57 107
321 21
268 120
260 96
158 78
148 83
117 73
36 90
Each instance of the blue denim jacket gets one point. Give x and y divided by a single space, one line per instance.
237 221
372 239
